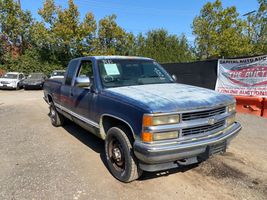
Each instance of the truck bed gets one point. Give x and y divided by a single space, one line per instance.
52 85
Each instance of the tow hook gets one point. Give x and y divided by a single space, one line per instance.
187 161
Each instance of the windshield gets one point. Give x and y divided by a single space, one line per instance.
122 72
11 76
35 76
58 73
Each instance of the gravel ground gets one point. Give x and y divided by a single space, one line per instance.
39 161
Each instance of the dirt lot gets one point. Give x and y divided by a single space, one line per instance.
38 161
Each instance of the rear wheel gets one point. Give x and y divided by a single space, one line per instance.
120 157
56 118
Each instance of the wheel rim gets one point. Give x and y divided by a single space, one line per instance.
52 114
116 154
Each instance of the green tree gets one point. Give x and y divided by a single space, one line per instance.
61 35
15 24
112 38
163 47
4 46
48 12
220 33
88 45
257 28
29 62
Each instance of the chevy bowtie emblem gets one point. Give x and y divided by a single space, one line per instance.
211 121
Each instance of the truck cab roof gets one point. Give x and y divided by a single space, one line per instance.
114 57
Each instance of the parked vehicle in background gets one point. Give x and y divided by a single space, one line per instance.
57 74
34 81
148 121
12 80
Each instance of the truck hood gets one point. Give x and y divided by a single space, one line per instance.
171 97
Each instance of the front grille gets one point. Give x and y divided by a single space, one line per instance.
202 129
203 114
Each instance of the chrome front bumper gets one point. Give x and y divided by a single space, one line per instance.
39 85
7 86
151 154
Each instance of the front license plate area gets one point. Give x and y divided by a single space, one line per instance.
217 148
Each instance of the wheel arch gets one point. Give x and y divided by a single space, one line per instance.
49 99
107 121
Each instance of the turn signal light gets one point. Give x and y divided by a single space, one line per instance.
147 120
147 137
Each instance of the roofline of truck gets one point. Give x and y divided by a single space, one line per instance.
113 57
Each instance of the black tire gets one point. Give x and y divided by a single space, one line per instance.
120 157
17 87
56 118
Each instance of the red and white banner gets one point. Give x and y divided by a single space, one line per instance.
244 77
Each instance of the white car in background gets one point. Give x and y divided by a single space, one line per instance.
57 74
12 80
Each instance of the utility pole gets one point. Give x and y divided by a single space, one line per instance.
21 38
19 4
248 14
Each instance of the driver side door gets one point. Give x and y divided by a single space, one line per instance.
84 98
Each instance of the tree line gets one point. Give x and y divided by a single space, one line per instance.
31 45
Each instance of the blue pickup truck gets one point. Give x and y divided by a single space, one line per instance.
148 121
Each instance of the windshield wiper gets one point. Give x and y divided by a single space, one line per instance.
151 76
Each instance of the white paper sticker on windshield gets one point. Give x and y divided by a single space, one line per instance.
112 69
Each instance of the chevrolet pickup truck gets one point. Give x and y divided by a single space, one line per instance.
148 121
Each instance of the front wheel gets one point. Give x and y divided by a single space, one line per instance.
56 118
17 87
120 157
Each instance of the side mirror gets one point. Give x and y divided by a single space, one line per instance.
174 77
82 82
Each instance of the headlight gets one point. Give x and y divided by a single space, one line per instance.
160 120
149 137
230 120
149 120
165 135
231 107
